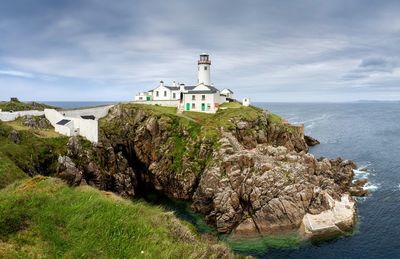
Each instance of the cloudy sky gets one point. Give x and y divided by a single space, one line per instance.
286 50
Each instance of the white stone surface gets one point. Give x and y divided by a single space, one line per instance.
10 116
98 112
338 219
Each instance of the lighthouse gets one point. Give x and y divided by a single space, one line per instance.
204 64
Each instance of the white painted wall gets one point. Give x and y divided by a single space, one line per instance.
211 102
163 93
67 130
78 126
246 102
227 93
204 74
10 116
142 96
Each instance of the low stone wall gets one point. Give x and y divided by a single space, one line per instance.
169 103
10 116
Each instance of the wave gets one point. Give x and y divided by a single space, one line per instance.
360 174
371 187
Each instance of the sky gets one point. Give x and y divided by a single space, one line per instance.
273 51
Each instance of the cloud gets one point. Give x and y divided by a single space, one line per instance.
265 49
372 66
16 73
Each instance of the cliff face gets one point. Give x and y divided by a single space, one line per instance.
245 170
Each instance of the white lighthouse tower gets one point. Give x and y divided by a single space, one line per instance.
204 64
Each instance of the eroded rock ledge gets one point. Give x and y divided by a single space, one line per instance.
247 175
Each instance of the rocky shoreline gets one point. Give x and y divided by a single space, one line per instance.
253 177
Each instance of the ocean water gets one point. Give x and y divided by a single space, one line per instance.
74 105
369 134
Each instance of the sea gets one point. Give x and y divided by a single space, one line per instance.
365 132
75 105
369 134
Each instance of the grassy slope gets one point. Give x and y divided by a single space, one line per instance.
21 106
43 217
15 159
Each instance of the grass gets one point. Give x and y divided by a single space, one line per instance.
9 172
231 105
42 217
22 106
32 156
41 133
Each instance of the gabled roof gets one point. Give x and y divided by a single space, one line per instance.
63 122
88 117
228 90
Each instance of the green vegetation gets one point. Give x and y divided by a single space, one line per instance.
202 127
231 105
42 217
33 155
9 172
15 105
41 133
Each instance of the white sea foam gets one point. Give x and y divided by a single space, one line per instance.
371 187
360 174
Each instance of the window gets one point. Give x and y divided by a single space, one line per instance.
203 97
165 93
193 97
193 105
208 106
205 68
157 93
174 95
140 98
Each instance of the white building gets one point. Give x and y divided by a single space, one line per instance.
227 92
246 102
201 98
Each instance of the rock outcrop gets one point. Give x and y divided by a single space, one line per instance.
311 141
245 175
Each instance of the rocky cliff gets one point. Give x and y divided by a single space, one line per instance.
244 169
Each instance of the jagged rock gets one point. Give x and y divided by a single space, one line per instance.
15 137
358 191
360 182
66 170
257 178
74 148
36 122
311 141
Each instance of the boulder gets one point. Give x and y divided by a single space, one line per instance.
15 137
311 141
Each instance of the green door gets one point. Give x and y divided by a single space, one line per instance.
188 106
203 106
147 98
